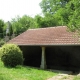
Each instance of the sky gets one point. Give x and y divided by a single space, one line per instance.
11 8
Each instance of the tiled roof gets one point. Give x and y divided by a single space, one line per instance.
47 36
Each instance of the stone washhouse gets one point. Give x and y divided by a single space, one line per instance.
52 48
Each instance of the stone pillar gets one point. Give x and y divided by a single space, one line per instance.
43 59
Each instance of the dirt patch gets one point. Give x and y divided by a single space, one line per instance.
62 77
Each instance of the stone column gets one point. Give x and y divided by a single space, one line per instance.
43 59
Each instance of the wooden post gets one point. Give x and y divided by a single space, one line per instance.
43 59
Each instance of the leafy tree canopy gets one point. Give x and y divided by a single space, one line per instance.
67 12
1 28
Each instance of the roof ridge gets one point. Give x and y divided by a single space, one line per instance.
47 27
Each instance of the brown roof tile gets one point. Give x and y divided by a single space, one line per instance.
47 36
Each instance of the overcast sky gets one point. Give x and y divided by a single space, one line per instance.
11 8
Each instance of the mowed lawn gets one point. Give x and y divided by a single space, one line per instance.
24 73
27 73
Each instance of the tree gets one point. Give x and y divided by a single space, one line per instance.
56 9
51 6
1 28
38 20
21 24
16 25
46 21
74 17
67 12
62 16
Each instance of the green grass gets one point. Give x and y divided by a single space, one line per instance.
76 78
24 73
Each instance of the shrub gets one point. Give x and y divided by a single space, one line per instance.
11 55
2 42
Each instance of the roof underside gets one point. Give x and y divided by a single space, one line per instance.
47 36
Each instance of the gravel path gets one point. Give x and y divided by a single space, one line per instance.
62 77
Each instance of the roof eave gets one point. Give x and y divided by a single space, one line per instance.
49 45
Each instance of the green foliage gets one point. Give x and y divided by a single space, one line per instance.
1 35
66 12
11 55
21 24
51 6
76 78
46 21
62 17
2 42
74 18
56 11
1 28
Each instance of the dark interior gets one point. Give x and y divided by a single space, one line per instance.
57 57
32 55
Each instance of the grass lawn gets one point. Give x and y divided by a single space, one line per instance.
24 73
77 78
